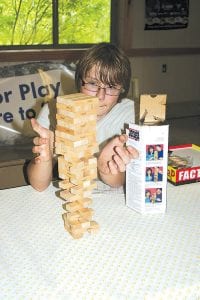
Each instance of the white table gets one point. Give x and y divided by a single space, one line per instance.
132 257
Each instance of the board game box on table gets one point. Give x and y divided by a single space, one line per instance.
184 164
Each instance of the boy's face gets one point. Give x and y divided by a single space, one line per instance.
106 102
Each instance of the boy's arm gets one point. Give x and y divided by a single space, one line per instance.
40 174
40 168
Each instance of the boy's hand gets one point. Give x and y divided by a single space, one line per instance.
115 156
43 143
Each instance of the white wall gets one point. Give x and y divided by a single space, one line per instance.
181 82
180 38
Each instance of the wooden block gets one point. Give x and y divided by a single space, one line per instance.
69 143
78 181
72 135
76 233
78 147
76 227
92 161
78 173
66 195
86 183
85 202
65 184
66 223
78 193
90 172
94 227
76 154
76 224
67 99
79 163
71 171
73 157
62 164
73 216
74 118
91 150
79 225
79 215
73 153
64 118
89 169
78 101
86 213
85 224
60 147
76 166
76 190
63 176
73 129
73 206
69 174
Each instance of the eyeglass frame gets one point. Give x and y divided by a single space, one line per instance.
120 90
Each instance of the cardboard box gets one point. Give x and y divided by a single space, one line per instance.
13 166
13 173
146 176
13 163
184 164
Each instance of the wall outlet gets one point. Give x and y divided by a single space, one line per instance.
164 68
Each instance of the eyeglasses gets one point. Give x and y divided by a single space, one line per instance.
93 87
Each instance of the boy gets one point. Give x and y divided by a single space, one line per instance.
104 71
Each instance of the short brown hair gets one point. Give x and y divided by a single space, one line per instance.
113 65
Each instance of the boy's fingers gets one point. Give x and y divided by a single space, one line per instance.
37 160
133 152
120 140
116 141
39 141
33 122
36 126
113 167
120 163
123 138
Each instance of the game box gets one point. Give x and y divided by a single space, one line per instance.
183 164
146 176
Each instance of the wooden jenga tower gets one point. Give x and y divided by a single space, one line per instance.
75 142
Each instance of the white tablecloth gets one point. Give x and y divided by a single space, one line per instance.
132 257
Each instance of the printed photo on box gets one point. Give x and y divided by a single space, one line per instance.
154 174
154 152
153 195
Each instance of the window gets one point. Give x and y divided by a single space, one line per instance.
39 24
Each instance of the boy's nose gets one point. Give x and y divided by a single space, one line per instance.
101 93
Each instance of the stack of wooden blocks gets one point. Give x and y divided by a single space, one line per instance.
75 144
